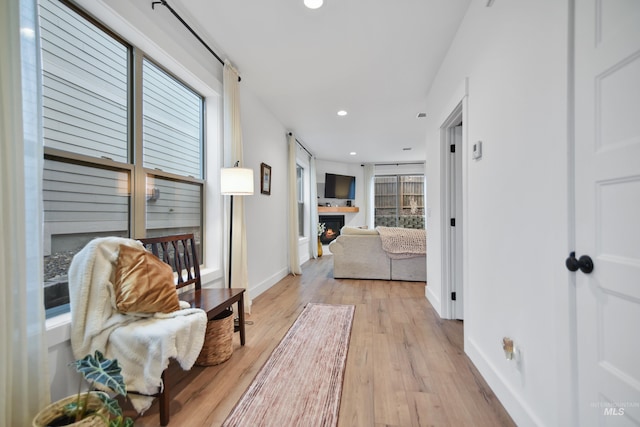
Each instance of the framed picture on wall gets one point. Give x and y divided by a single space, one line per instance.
265 178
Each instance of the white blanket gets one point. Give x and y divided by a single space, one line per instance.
142 345
400 243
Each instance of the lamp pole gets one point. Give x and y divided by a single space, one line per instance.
235 181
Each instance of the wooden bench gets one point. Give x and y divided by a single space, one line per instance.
180 252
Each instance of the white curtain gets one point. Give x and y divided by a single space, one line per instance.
24 382
294 258
313 197
369 200
233 153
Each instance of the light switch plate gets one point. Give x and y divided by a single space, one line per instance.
477 150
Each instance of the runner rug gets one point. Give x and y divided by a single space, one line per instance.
301 382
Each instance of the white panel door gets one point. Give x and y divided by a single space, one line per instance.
607 210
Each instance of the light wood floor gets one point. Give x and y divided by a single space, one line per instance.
405 367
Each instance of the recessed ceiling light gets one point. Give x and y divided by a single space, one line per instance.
353 153
313 4
342 113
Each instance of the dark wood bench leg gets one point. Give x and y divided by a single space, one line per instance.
164 401
241 317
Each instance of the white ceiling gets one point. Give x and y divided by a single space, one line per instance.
375 59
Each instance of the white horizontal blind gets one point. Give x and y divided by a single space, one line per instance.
172 124
85 73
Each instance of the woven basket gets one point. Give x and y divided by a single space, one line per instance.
218 340
53 411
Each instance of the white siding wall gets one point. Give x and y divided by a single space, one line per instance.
172 131
178 205
77 83
80 199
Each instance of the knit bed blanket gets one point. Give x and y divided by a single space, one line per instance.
401 243
142 344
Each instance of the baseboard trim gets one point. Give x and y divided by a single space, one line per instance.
517 408
434 300
267 283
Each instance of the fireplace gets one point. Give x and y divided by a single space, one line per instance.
333 224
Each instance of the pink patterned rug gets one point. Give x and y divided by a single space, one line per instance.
301 382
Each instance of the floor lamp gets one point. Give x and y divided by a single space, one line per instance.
235 181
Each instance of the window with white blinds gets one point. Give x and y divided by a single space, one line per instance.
92 144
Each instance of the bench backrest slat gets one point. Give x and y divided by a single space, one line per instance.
181 253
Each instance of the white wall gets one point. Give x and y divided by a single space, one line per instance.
264 140
514 55
351 169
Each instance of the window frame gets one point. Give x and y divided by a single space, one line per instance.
398 197
134 167
300 190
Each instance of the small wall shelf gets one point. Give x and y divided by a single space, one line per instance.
325 209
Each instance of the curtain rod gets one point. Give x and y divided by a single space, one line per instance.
395 164
300 144
164 3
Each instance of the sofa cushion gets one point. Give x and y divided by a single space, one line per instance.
358 231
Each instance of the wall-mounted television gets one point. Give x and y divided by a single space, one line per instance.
339 186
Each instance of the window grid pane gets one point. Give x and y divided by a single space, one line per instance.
85 85
399 201
80 204
173 207
172 123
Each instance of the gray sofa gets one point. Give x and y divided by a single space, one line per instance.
358 254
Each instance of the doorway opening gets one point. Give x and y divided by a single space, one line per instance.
452 215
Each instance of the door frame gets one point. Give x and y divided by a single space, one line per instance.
457 116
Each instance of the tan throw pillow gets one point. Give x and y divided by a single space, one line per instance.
144 284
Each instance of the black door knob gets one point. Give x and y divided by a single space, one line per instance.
572 262
585 263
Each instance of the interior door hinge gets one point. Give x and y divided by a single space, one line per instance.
453 296
453 222
453 148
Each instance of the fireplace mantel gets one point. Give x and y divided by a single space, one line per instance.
329 209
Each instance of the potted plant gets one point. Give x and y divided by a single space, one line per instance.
321 229
92 408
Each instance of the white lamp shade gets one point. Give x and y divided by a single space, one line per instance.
236 181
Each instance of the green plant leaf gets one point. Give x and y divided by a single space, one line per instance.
97 369
111 404
119 422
